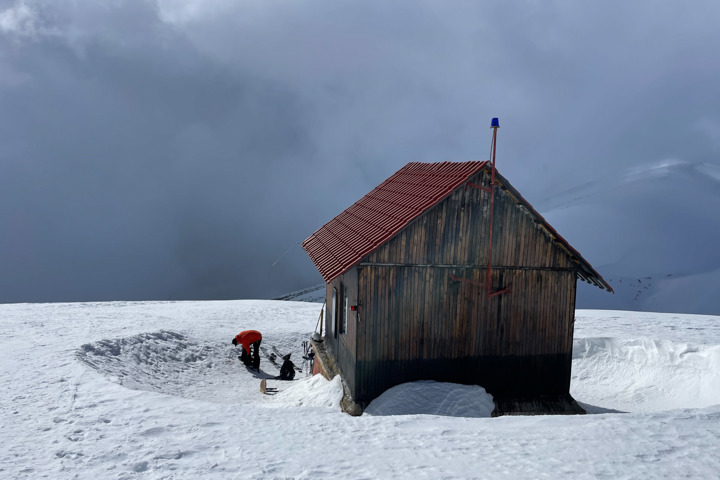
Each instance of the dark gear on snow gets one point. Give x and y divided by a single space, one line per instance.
287 371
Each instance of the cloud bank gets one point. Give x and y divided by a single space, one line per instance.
178 149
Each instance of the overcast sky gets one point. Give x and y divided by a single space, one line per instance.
184 148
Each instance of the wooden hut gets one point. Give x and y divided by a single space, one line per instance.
411 294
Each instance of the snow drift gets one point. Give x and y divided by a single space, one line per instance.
433 398
643 375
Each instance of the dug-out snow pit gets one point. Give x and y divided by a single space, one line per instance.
170 363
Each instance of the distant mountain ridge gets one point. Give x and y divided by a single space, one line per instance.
651 232
314 294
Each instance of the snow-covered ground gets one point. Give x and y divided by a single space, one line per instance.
155 390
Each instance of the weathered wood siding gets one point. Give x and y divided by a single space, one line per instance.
343 345
455 232
415 322
418 324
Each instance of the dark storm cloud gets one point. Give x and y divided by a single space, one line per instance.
179 148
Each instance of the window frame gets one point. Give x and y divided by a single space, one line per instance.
345 307
336 311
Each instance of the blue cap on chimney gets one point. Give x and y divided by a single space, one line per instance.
495 123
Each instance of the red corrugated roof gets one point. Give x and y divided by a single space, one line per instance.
379 215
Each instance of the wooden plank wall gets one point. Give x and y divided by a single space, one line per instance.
443 318
419 316
343 345
455 232
412 313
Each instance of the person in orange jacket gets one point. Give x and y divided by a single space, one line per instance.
247 338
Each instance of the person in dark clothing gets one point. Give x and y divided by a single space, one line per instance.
287 371
251 359
249 338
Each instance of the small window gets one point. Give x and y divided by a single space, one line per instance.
336 311
345 307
